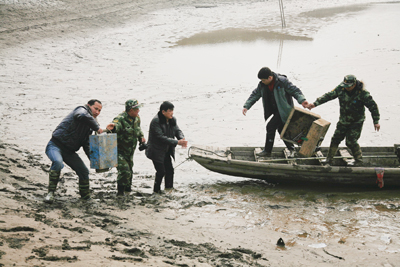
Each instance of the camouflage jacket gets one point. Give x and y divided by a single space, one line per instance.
352 105
128 133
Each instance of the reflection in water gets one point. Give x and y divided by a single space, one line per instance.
231 50
278 63
282 13
333 11
238 35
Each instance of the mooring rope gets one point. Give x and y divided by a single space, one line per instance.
205 150
187 159
212 152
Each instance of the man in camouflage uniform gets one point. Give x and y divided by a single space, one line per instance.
352 99
127 127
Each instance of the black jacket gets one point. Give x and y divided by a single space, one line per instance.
162 138
74 130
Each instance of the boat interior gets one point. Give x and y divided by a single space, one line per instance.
372 156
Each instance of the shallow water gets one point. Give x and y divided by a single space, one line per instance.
224 70
347 45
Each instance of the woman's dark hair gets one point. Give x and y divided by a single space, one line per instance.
93 101
166 105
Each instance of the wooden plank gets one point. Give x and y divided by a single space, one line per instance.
314 137
323 157
347 158
319 156
286 152
287 124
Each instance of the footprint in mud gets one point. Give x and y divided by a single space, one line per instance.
41 252
66 246
16 242
19 229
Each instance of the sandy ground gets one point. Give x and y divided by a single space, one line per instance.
59 54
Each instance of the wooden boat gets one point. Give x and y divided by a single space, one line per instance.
280 167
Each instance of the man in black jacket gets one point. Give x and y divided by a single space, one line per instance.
162 143
69 136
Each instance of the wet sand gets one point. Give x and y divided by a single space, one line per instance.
55 56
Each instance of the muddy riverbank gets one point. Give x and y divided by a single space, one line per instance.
223 224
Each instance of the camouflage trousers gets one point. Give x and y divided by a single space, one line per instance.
125 170
351 132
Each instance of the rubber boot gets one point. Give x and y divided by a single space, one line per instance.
169 181
331 153
357 155
84 190
128 187
121 190
267 149
54 177
157 184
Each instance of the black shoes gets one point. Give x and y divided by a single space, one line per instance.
264 154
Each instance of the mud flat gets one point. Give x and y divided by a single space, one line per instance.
236 224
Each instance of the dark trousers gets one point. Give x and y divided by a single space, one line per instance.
164 169
275 124
72 159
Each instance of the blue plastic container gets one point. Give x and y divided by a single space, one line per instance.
103 151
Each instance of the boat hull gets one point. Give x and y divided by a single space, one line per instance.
278 172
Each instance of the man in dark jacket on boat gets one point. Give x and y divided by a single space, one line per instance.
352 99
276 92
69 136
162 143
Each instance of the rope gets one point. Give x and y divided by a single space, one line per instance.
212 152
189 158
